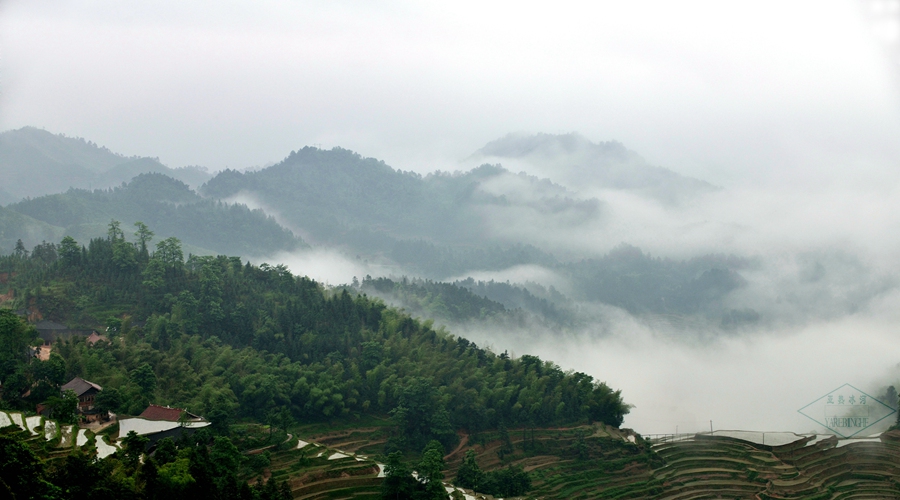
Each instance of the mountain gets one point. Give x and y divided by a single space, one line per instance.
441 226
447 225
578 163
244 346
34 162
278 340
168 206
337 197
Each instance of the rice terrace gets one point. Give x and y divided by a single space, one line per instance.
582 462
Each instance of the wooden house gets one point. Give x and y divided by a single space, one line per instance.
86 392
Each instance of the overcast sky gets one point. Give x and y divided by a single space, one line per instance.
730 92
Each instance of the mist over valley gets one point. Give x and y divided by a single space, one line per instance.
642 250
639 259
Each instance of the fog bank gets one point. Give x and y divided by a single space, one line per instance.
749 382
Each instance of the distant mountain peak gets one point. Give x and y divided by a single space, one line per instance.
35 162
578 163
518 145
62 149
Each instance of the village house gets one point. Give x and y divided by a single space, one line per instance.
95 337
168 414
86 392
51 331
159 422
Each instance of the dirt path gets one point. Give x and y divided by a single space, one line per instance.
340 434
463 440
257 451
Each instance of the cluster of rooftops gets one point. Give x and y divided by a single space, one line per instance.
155 422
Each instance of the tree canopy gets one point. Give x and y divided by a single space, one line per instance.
218 335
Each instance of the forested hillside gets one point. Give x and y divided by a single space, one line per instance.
440 226
339 197
229 339
470 301
166 204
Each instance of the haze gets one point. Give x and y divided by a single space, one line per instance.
728 92
790 107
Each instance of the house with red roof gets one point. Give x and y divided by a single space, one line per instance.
168 414
159 422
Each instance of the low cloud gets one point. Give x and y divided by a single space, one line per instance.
749 382
329 266
517 274
822 276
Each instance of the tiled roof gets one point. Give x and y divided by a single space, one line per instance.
94 338
79 386
156 412
50 325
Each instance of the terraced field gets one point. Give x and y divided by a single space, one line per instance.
722 467
608 466
55 440
314 471
584 462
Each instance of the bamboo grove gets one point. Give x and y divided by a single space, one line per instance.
233 340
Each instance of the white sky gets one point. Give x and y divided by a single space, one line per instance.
731 92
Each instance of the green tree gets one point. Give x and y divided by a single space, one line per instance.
175 478
169 252
166 451
69 251
133 447
64 408
219 411
211 291
225 455
469 474
20 252
47 377
114 231
372 353
22 474
399 483
421 416
154 274
512 481
124 255
113 324
108 400
144 377
607 405
430 470
144 236
16 338
45 253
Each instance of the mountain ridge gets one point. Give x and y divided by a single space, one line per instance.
35 162
578 162
167 204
